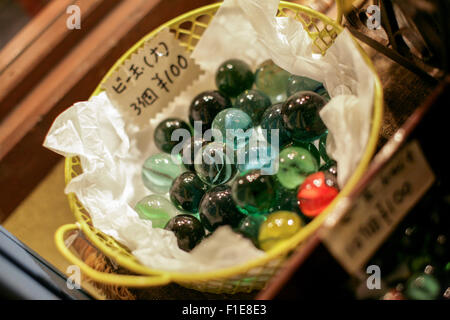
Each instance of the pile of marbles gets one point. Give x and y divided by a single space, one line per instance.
276 188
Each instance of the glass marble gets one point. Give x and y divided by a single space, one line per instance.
286 200
233 77
188 230
159 171
157 209
299 83
204 108
323 93
163 133
422 287
217 208
189 151
272 119
295 164
301 116
214 164
330 167
272 80
308 146
316 193
186 192
235 126
323 148
259 157
278 227
254 192
254 103
249 227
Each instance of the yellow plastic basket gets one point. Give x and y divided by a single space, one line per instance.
241 278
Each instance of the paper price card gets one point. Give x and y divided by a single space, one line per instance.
382 205
151 78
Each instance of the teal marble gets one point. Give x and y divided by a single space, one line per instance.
233 77
422 287
254 103
157 209
254 192
295 164
272 119
272 80
299 83
187 191
217 208
249 227
163 133
214 164
188 230
301 116
235 126
158 172
259 157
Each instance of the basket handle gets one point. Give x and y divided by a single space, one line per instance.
135 281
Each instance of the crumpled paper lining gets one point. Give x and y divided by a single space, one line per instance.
112 151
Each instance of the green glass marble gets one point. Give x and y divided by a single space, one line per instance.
278 227
159 171
187 191
204 108
272 119
254 103
234 125
323 148
295 164
249 227
254 192
324 93
214 164
308 146
233 77
286 200
189 151
163 133
422 287
301 116
188 230
157 209
272 80
299 83
217 208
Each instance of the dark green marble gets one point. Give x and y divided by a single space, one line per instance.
217 208
254 192
186 191
189 150
163 133
204 108
301 116
324 93
188 230
254 103
299 83
273 119
233 77
249 227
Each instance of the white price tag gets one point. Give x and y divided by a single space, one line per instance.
153 76
379 209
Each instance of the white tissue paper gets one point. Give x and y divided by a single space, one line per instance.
112 152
